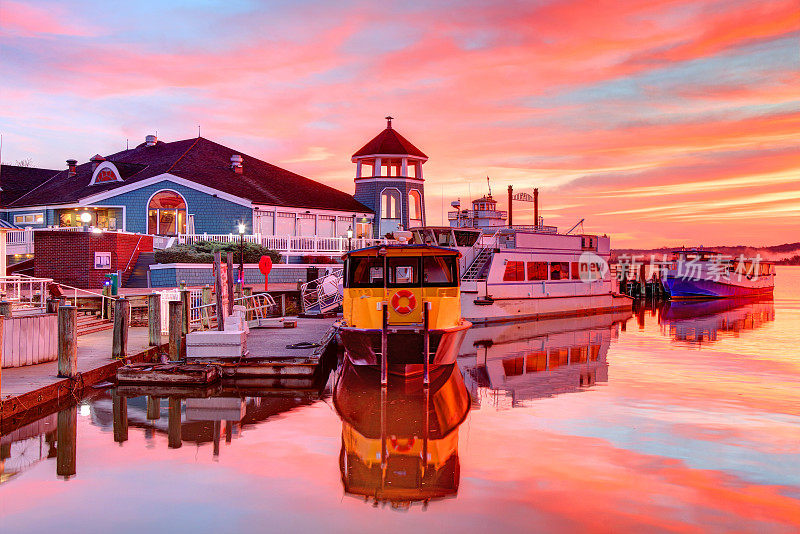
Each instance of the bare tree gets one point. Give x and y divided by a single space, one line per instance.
27 162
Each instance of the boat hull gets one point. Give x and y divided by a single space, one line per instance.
484 311
404 347
684 288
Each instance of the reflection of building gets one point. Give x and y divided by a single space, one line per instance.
700 322
511 363
186 186
400 443
389 182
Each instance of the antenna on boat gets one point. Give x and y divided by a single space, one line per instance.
579 223
490 185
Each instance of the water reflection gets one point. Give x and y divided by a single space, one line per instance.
701 322
400 442
26 446
508 364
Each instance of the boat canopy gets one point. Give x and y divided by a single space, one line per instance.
407 266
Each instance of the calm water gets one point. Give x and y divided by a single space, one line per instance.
684 418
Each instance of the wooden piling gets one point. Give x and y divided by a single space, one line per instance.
283 304
384 344
67 341
174 427
153 408
52 305
119 339
5 308
218 291
186 311
154 319
248 292
175 329
426 343
67 438
231 298
119 408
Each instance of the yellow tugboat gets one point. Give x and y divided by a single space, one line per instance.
402 307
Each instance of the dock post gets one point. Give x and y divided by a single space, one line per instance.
67 438
52 306
426 342
247 291
283 304
231 297
67 341
5 308
153 408
186 311
205 316
154 319
218 290
1 359
175 329
174 426
119 340
119 408
384 344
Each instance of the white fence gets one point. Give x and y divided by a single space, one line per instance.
31 339
289 244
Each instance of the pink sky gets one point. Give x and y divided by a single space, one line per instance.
661 123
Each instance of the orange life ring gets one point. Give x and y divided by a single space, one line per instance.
412 302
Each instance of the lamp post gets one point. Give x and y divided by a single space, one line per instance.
349 239
241 256
86 218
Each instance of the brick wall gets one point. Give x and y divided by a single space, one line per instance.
68 257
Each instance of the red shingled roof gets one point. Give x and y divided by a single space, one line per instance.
198 160
390 142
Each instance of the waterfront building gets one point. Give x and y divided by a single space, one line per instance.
389 181
191 186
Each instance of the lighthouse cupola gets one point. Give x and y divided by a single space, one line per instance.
389 181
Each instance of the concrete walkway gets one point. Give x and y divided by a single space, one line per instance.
94 350
272 342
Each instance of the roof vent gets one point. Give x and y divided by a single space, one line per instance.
150 140
72 167
236 163
96 160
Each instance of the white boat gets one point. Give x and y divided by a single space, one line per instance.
516 273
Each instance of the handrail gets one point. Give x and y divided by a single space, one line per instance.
131 258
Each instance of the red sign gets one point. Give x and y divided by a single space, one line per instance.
265 266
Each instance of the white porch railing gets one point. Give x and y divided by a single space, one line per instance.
288 244
24 291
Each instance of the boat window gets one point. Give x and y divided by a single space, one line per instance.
559 270
444 238
465 239
439 271
537 270
365 272
515 272
404 271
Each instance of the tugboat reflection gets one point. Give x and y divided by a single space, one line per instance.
400 442
698 322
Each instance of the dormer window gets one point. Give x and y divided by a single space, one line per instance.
106 172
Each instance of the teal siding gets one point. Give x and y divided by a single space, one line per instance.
212 215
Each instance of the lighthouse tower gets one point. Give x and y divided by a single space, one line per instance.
389 181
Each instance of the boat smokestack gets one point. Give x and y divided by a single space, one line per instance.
536 206
510 205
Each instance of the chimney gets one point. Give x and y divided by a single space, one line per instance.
96 160
536 207
72 167
236 163
150 140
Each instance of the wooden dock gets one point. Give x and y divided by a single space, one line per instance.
270 365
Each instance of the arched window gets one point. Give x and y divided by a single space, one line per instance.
166 214
414 209
390 204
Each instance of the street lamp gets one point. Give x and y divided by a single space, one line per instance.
86 218
241 255
350 239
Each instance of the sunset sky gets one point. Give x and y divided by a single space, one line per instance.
662 123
